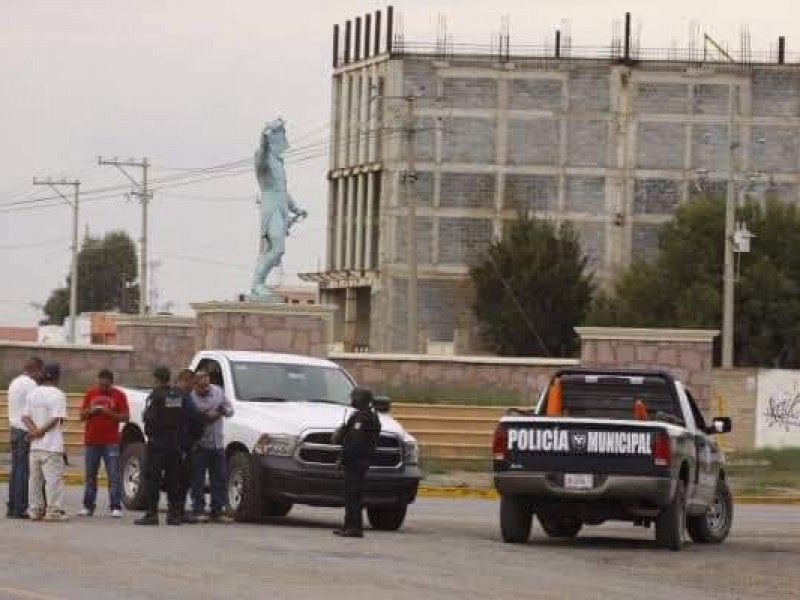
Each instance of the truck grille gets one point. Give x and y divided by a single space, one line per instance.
317 448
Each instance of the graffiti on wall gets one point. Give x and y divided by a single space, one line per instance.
778 409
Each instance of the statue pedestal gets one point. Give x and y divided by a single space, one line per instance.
290 328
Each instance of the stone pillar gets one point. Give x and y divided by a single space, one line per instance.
350 318
156 340
686 353
291 328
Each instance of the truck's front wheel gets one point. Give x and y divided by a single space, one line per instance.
560 527
387 518
671 522
715 525
244 502
515 520
131 469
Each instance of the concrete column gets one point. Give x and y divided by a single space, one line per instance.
344 121
355 109
338 244
374 106
363 122
350 229
359 224
369 259
350 318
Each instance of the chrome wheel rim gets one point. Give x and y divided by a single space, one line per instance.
717 515
132 476
235 489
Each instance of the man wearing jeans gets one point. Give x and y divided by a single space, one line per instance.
20 445
209 456
104 408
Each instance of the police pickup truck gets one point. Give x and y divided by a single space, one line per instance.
612 445
278 443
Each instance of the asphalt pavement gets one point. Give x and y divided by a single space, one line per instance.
449 549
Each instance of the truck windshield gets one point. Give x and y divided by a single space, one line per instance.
270 382
615 397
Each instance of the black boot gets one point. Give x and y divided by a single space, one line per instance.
148 519
349 533
174 516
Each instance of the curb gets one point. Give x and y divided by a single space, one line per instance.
475 493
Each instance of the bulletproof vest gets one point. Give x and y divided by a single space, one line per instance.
166 412
361 437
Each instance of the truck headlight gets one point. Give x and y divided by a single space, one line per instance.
410 453
275 445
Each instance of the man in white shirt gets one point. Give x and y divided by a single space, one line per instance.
44 414
20 446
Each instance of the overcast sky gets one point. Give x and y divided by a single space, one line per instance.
189 84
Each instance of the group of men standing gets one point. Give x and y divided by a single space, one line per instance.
184 428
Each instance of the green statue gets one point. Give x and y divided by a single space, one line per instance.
278 210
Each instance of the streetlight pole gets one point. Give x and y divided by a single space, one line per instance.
730 222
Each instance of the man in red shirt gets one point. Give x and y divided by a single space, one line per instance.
104 408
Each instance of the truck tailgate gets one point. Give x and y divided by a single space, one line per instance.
564 445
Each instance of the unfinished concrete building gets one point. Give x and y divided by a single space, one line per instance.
450 145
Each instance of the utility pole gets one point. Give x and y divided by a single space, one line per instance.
730 223
74 203
144 194
409 180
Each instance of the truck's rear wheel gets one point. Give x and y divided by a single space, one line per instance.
560 527
387 518
715 525
244 502
131 469
671 522
515 520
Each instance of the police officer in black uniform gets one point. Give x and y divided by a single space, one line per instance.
358 437
167 418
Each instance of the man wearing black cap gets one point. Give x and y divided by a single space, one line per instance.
166 422
358 438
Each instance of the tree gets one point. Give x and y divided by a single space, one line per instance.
531 289
683 287
106 274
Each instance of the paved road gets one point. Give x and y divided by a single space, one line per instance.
449 549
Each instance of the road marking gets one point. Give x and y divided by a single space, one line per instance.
28 594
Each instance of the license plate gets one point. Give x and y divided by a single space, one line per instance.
578 481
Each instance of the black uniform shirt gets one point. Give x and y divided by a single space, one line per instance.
361 433
166 417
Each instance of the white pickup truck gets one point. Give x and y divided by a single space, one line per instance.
278 443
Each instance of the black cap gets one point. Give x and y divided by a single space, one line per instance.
361 398
51 372
162 374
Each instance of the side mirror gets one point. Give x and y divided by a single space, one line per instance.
721 425
382 404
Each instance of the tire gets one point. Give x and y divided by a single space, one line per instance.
244 502
560 527
515 520
715 525
671 522
275 508
387 518
131 472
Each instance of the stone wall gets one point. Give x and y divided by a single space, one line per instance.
79 364
157 340
686 353
290 328
516 380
